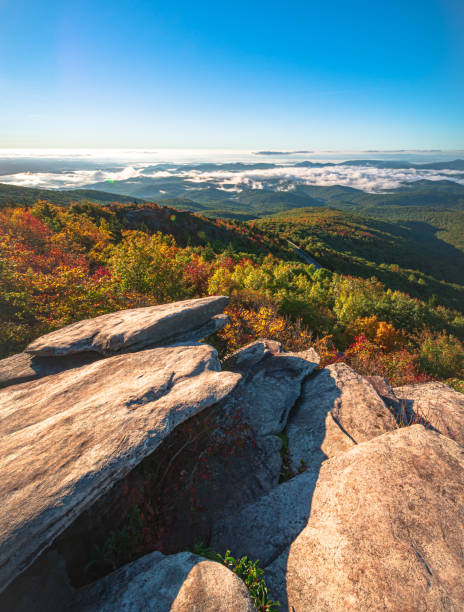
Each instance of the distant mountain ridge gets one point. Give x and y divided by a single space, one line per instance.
248 203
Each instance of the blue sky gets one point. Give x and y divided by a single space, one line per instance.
314 75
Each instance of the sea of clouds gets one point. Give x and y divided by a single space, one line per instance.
61 172
369 179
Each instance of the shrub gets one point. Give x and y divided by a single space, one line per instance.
440 355
456 384
398 367
149 265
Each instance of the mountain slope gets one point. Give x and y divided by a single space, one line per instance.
409 256
12 195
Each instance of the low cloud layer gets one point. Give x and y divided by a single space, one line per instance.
369 179
284 177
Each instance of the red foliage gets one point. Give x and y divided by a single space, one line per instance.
196 275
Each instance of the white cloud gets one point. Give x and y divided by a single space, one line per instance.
369 179
282 178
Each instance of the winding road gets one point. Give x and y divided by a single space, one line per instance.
306 257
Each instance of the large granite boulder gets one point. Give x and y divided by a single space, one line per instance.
177 583
441 407
240 460
385 391
131 330
67 438
384 530
337 409
124 331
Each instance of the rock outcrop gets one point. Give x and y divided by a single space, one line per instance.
130 330
24 367
337 409
119 332
271 383
385 529
265 527
67 438
373 520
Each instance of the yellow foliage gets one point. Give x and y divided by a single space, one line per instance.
384 335
387 337
367 326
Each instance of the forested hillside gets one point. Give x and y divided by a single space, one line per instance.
60 264
409 255
447 223
12 195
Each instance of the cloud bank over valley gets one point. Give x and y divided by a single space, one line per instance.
223 174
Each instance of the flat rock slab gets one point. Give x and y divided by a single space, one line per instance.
438 405
385 529
337 409
26 366
178 583
67 438
130 329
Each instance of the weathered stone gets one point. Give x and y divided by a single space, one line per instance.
262 529
177 583
250 355
385 391
24 367
436 404
239 478
241 464
200 333
337 409
271 383
130 329
385 529
67 438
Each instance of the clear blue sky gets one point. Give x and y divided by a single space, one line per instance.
339 74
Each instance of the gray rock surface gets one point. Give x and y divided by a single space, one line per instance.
67 438
262 529
177 583
337 409
385 530
261 401
24 367
385 391
131 329
438 405
248 356
271 383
